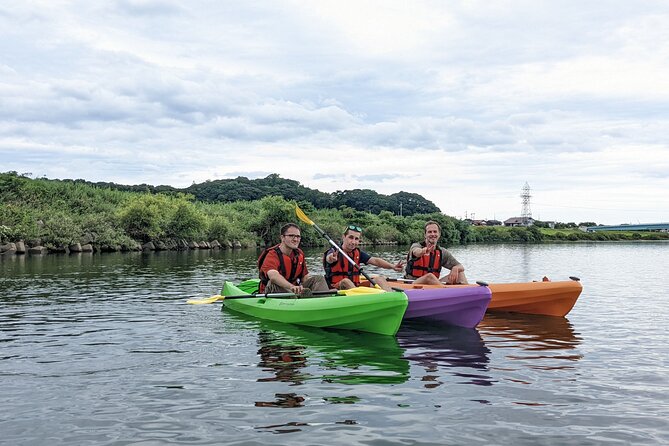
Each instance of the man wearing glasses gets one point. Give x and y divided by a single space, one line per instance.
342 274
283 268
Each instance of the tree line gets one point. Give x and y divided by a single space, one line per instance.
244 189
56 213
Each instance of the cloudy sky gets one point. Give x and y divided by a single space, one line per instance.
462 102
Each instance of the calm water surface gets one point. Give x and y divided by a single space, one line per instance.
102 350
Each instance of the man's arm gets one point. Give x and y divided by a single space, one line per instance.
451 263
417 250
276 278
376 261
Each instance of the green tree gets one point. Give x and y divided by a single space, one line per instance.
274 213
534 235
186 221
144 217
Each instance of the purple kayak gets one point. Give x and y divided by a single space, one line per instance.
461 306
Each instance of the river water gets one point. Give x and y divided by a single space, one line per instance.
101 349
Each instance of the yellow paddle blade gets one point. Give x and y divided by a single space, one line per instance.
302 216
208 300
362 290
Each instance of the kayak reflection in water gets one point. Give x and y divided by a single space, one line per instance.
553 336
459 351
296 354
284 361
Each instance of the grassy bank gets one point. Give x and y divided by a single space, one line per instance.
55 213
497 234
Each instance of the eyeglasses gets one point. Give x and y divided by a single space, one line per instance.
293 236
355 228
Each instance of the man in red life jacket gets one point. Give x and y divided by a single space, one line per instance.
425 260
341 274
283 268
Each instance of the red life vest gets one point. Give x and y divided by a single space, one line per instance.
425 264
342 269
295 261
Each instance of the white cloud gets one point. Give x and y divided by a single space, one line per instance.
461 102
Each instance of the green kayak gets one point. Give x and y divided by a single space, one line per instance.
375 313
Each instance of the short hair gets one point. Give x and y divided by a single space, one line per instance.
431 222
287 226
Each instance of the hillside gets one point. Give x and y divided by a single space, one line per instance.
244 189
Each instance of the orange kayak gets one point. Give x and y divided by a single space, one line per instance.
547 298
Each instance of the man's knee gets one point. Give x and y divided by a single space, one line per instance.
316 283
345 284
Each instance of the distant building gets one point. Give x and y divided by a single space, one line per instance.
519 221
662 227
483 222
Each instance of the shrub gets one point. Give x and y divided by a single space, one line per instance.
186 222
144 218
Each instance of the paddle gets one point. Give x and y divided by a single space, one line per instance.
302 216
399 279
216 298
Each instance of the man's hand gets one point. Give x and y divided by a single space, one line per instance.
429 249
332 257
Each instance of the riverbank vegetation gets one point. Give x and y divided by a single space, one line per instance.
55 214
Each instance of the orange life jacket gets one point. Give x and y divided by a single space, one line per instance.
296 263
342 269
428 263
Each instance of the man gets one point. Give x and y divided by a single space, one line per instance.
425 260
341 274
283 268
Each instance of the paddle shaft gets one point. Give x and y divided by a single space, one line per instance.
283 295
211 300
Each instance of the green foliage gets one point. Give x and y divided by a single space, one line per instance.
186 222
57 213
412 204
274 212
60 229
534 235
218 229
244 189
381 233
5 233
145 217
373 202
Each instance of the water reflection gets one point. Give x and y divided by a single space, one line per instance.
460 351
546 342
295 354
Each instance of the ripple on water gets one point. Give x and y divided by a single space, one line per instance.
103 350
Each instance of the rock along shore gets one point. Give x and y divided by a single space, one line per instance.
36 248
